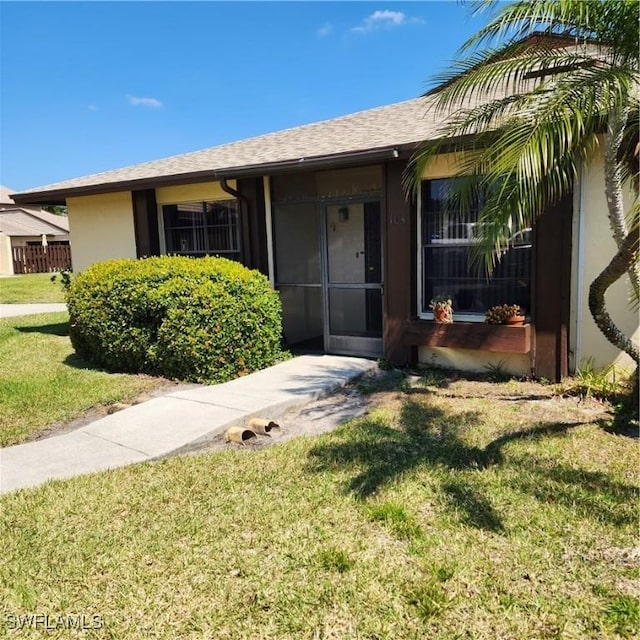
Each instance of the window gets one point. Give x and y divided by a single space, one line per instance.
202 228
447 238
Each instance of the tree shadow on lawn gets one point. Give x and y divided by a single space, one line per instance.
378 455
62 329
626 414
56 329
473 508
75 361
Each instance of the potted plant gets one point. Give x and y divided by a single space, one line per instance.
505 314
442 309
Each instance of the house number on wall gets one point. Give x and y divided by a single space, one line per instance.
398 219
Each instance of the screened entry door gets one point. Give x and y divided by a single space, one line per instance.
329 274
353 278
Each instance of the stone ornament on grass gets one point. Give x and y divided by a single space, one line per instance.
255 427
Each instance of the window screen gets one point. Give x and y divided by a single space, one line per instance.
202 228
447 239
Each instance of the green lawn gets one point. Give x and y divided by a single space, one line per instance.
454 509
31 287
42 381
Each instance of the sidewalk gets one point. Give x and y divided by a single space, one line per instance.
166 424
13 310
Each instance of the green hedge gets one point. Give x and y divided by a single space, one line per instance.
194 319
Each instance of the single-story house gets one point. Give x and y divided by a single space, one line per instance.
320 209
26 230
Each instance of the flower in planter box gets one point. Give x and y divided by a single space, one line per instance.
504 314
442 309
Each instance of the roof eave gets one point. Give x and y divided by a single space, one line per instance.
59 196
350 158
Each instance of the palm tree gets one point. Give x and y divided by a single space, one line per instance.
533 94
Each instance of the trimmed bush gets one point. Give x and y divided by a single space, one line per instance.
193 319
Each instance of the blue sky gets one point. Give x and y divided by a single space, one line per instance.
92 86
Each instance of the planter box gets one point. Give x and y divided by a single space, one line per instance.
469 335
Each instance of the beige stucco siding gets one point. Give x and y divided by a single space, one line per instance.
101 228
444 165
199 192
22 241
518 364
6 255
593 248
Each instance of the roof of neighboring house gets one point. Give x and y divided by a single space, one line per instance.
17 221
7 203
362 134
5 198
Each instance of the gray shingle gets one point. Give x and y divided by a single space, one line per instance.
403 123
22 222
396 124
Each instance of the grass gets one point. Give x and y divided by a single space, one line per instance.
619 389
42 381
457 510
32 287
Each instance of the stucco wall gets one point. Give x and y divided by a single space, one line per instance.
22 241
101 228
199 192
444 165
471 360
6 256
593 248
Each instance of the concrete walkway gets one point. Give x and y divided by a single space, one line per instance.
13 310
168 423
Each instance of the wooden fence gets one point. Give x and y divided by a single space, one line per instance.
39 259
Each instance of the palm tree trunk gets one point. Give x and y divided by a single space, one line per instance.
618 266
616 124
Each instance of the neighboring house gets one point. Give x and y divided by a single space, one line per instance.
320 209
30 238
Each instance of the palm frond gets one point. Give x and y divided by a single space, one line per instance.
488 74
629 152
572 105
581 20
530 98
633 224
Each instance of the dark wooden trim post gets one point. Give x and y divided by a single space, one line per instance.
254 224
145 222
398 277
551 299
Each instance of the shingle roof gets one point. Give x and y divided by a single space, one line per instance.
403 124
398 124
22 222
5 198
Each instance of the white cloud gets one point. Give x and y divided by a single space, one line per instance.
136 101
384 19
324 30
